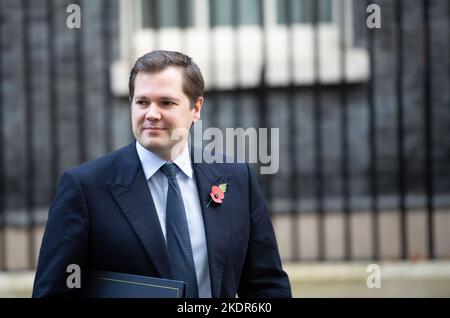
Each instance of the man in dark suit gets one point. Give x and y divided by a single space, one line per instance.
151 209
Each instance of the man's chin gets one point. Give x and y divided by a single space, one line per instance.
155 146
166 151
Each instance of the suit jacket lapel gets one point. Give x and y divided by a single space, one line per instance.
217 227
131 192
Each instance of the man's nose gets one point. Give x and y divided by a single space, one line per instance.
153 112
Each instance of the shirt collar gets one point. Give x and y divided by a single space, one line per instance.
151 162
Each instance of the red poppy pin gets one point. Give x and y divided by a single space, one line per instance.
217 193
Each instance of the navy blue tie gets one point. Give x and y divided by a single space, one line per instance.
177 234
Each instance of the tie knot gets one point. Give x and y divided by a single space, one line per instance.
170 170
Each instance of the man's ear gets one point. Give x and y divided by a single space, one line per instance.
197 108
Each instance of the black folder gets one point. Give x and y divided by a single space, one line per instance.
104 284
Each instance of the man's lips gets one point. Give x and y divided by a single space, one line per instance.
152 128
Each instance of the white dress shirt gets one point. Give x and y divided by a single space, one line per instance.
158 185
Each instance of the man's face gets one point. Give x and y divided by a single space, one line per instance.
160 110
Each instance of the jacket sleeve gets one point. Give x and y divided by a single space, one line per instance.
262 275
65 240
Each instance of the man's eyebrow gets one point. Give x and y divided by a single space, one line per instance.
141 97
171 98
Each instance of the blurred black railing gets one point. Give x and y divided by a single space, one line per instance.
298 189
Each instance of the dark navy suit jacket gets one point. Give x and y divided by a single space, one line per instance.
103 217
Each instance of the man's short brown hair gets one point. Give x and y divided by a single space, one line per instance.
156 61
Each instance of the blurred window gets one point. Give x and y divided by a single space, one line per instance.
248 12
258 35
157 14
301 11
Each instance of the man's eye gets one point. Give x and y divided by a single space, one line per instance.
168 103
140 102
